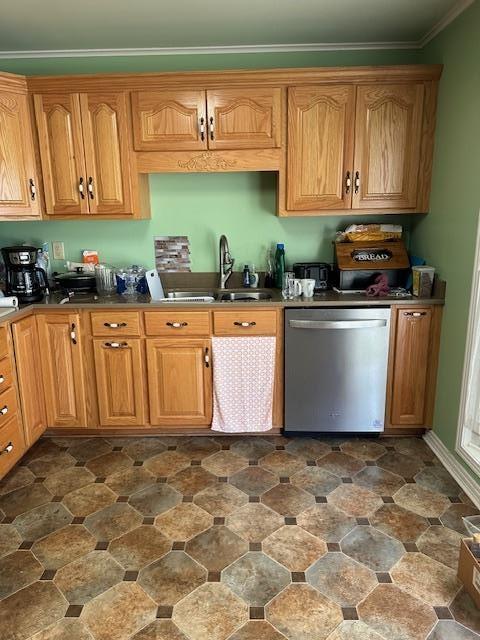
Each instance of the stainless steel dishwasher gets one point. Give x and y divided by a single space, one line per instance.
336 369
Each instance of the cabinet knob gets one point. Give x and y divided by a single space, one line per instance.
33 189
81 188
114 325
4 410
116 345
2 379
177 325
244 324
7 449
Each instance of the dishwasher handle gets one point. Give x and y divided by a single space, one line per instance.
336 324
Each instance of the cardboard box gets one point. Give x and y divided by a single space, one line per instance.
469 571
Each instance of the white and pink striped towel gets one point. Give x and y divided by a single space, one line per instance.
243 378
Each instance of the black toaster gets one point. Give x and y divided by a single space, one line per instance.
318 271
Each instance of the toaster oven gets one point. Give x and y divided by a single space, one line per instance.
318 271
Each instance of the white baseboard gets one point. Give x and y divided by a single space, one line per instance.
454 467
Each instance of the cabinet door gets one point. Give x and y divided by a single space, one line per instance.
387 146
120 382
17 174
63 373
410 375
61 153
107 155
320 147
29 375
179 381
244 118
169 120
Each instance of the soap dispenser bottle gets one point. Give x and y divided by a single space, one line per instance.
246 277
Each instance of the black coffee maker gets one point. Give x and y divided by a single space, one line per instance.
22 278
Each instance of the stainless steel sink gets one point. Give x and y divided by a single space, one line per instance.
244 296
178 295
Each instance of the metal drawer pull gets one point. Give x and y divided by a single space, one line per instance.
348 182
114 325
207 358
81 189
2 379
177 325
202 129
415 314
336 324
4 410
357 181
8 449
90 188
73 335
211 129
116 345
33 189
244 324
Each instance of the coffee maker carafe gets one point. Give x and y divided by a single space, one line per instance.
22 278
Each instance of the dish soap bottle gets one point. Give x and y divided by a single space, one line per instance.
279 265
254 277
246 277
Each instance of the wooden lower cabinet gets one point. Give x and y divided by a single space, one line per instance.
120 382
63 369
29 377
179 381
413 366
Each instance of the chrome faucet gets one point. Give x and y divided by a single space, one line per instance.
226 262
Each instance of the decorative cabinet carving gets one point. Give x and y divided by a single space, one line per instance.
241 118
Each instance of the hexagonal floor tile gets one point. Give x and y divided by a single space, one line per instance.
308 448
216 548
256 578
399 523
452 517
64 546
379 480
354 630
451 630
300 612
220 499
71 628
171 578
438 479
212 612
119 612
224 463
422 501
316 481
109 463
130 480
68 480
254 480
364 449
192 480
426 579
51 463
393 613
113 521
86 500
18 570
355 501
139 547
88 449
256 630
252 448
254 522
155 499
184 521
341 464
167 463
287 499
17 478
294 547
442 544
326 522
399 463
41 521
282 463
160 630
9 539
23 499
144 448
86 578
42 447
465 611
415 447
372 548
197 448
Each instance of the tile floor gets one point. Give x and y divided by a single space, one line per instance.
232 538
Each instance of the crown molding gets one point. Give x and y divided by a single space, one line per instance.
448 18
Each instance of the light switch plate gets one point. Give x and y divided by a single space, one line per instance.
58 250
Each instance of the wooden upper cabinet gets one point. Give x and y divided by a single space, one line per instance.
61 152
105 132
18 184
388 134
170 120
320 147
179 381
244 118
62 371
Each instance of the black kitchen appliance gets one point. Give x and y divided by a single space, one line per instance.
22 278
318 271
78 281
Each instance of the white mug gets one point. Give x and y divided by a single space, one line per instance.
308 287
297 287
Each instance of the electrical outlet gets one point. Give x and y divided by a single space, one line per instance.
58 250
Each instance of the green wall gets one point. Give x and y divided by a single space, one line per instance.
447 235
201 206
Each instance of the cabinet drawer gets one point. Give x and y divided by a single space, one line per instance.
8 405
110 323
245 322
5 374
3 341
12 445
177 323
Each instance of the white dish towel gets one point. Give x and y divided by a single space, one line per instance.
243 379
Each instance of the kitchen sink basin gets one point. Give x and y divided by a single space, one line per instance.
241 296
179 295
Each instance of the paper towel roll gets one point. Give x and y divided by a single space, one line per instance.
9 301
